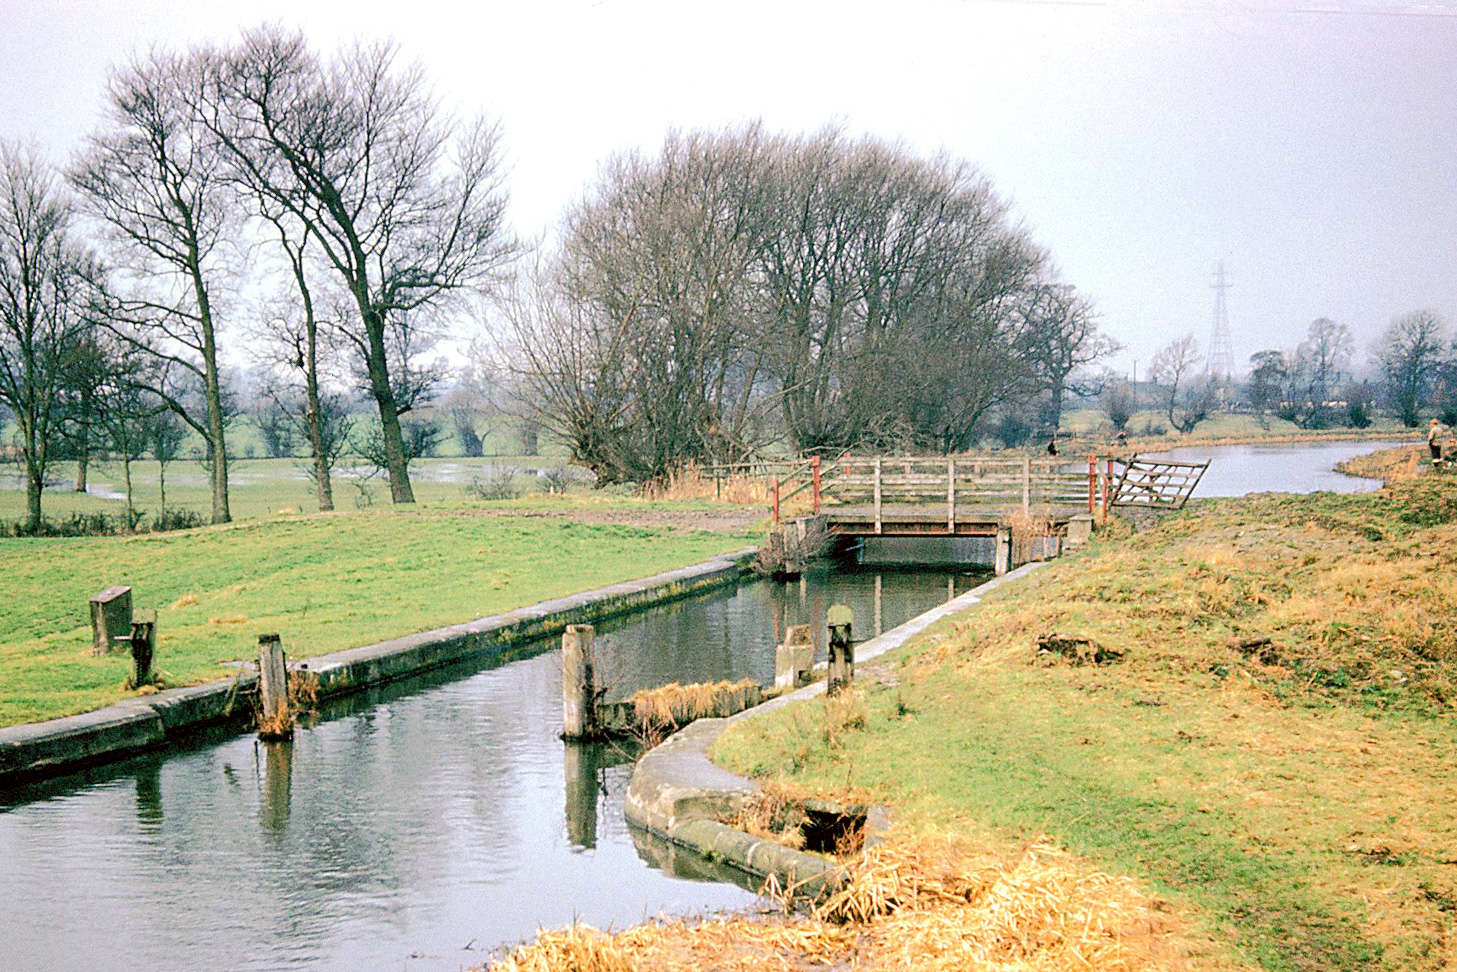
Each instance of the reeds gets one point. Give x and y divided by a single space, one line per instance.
671 706
693 483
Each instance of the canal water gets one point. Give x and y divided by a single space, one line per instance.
1303 467
413 828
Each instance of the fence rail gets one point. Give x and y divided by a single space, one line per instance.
980 483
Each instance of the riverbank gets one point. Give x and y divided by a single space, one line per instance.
147 722
1245 711
324 582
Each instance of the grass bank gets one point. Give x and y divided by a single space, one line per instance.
323 582
1270 750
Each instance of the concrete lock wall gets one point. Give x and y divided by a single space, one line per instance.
679 795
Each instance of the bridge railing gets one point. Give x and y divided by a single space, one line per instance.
983 482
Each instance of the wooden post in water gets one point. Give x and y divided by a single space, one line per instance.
840 620
274 720
579 689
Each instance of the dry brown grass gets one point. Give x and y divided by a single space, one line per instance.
673 705
1388 465
931 905
691 483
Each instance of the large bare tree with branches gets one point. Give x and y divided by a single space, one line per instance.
405 205
43 308
741 286
154 178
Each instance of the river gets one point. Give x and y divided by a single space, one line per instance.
1302 467
413 828
419 826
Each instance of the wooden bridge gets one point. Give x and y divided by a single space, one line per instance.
975 496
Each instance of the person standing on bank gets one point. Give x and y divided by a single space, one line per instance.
1434 440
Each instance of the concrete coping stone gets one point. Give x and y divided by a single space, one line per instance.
677 792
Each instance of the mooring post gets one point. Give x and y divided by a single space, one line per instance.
144 646
794 660
579 689
1002 561
840 620
814 468
274 720
111 617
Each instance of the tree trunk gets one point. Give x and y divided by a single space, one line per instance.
314 417
389 416
212 391
126 472
34 483
162 483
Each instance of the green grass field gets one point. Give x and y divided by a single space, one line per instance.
1272 752
322 581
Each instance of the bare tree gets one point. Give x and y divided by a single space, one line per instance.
741 286
42 308
1321 364
154 179
1269 377
1119 402
298 334
1410 353
405 205
1065 338
1174 368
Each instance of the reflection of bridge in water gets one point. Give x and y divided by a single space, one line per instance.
1029 506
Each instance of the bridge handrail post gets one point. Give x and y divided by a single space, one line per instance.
878 528
1092 483
814 466
951 495
1107 487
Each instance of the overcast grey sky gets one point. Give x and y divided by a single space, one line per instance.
1312 147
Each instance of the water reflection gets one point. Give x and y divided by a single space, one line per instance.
584 766
407 823
277 784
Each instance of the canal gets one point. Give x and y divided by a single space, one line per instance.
413 828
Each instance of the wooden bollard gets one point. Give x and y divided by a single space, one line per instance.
794 660
143 640
1002 558
841 620
274 721
579 689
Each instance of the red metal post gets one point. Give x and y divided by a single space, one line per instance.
1092 482
774 485
814 466
846 456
